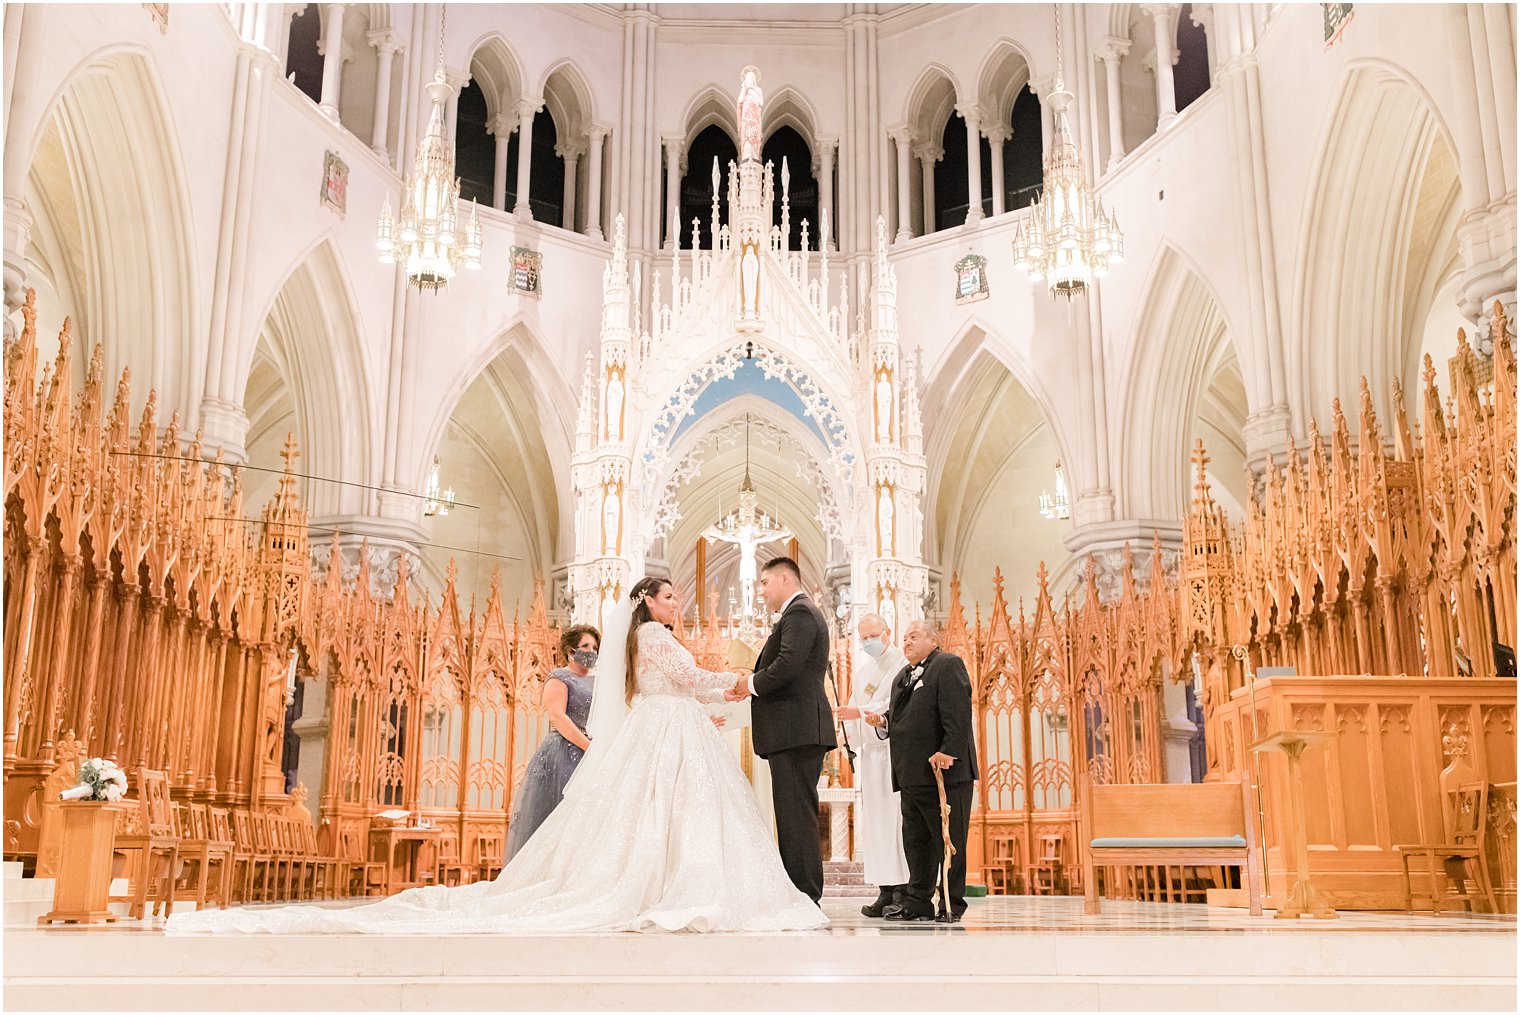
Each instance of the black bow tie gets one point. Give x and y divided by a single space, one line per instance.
912 674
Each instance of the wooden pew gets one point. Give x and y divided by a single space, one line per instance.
1188 824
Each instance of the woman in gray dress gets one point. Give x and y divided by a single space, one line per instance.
567 700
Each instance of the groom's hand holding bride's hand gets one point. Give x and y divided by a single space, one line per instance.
740 690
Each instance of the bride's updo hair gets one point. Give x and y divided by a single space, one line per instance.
644 590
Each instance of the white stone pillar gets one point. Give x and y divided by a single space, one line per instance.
1112 55
456 81
928 154
386 46
332 59
595 136
997 136
972 114
501 128
527 108
673 163
903 137
570 150
1042 90
1166 54
825 145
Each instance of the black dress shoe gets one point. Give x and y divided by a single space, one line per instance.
877 908
901 915
947 918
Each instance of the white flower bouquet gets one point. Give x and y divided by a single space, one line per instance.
99 779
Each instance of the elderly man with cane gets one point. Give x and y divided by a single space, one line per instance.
928 724
879 822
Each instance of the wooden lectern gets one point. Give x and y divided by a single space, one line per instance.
1302 898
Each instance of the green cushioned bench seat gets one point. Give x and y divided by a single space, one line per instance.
1205 842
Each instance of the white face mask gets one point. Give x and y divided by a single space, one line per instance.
873 647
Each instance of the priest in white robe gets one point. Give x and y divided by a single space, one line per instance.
879 820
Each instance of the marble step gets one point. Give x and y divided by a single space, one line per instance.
863 965
12 870
26 899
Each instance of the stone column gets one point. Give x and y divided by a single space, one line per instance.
1112 55
973 117
1166 54
527 108
997 136
501 128
457 81
903 137
1042 90
595 136
332 59
571 151
825 145
928 154
673 163
386 46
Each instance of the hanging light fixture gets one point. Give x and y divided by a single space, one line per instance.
435 499
1056 507
428 240
1068 240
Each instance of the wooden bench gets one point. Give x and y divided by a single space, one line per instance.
1171 824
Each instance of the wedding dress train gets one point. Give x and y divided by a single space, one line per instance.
664 833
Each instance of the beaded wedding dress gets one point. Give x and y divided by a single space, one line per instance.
658 831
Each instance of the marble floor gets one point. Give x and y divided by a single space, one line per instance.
1013 953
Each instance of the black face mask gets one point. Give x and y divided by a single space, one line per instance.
585 658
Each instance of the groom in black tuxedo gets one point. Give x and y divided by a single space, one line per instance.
791 721
929 726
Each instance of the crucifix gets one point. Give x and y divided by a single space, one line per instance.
747 527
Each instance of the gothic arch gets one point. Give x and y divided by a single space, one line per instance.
995 438
105 171
309 336
495 431
1378 225
674 401
792 476
1181 381
496 69
788 108
712 105
568 98
931 101
1005 72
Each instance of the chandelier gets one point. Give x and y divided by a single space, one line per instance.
1068 240
435 499
1056 507
428 239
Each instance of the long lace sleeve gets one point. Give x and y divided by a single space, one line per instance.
664 659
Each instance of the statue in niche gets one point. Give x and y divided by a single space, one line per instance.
610 511
883 408
888 611
749 283
615 406
751 102
884 511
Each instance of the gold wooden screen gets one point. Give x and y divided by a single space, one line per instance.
144 614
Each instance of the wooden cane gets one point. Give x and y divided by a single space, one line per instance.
944 826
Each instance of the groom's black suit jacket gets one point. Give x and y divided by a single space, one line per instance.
789 708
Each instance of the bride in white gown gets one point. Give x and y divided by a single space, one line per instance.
658 829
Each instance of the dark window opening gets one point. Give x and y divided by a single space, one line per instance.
696 185
301 56
1190 76
788 144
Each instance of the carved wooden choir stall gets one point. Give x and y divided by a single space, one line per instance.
147 622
